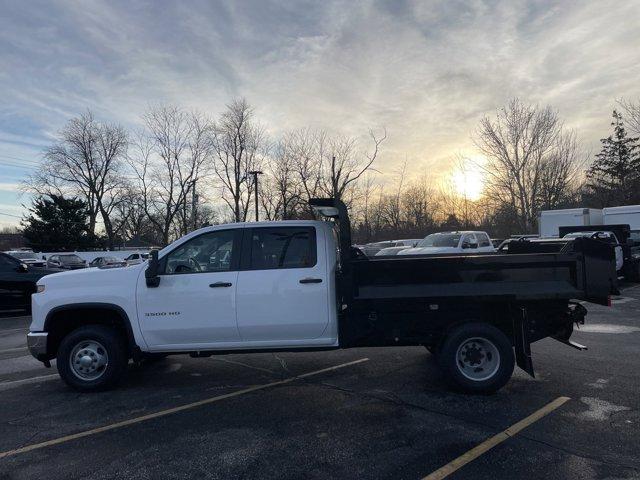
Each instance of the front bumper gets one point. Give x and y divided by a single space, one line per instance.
37 344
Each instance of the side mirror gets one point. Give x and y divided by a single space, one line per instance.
151 273
22 268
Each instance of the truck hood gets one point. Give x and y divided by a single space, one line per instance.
91 277
428 250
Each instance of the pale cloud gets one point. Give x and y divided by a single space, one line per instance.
427 71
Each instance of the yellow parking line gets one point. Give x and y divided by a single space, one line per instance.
162 413
488 444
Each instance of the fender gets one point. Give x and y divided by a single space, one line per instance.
133 347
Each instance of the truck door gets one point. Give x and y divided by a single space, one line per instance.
195 304
282 286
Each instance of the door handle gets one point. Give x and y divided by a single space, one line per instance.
220 284
311 280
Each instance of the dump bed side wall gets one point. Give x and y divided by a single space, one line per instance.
505 277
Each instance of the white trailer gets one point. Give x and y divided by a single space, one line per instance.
624 215
550 220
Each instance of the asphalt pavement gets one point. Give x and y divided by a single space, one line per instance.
361 413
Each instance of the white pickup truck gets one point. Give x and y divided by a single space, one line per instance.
294 285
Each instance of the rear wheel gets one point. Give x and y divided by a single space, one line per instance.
476 358
92 358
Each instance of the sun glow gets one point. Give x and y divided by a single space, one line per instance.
468 181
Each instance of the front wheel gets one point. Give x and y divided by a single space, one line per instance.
92 358
476 358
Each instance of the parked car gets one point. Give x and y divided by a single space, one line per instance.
298 284
66 261
399 246
371 249
28 258
17 283
136 258
107 262
390 251
452 242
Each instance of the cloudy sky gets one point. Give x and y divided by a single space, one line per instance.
425 70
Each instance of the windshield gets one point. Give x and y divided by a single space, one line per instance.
110 259
440 240
24 256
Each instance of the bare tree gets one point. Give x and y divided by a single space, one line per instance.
170 157
343 164
308 149
239 145
521 144
281 191
420 206
391 205
631 115
560 173
366 208
331 165
86 161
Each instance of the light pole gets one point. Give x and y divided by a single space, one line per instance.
255 174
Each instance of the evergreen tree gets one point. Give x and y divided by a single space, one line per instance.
614 176
58 224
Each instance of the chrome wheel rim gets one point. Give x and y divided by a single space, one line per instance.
88 360
478 359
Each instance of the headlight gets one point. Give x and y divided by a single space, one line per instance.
39 288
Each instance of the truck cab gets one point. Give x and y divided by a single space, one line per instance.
244 285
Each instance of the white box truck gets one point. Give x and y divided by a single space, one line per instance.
551 220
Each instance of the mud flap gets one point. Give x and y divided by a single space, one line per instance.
521 342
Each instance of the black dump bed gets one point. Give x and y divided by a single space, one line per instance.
583 269
585 272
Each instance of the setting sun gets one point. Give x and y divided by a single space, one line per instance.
468 181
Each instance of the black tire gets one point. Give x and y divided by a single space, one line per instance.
109 341
478 344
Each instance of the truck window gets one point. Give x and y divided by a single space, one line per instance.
483 240
210 252
283 247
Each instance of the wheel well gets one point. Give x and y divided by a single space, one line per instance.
62 322
499 317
